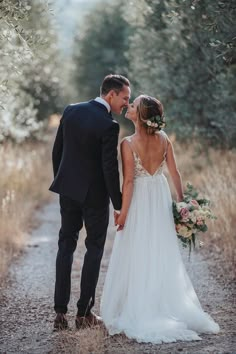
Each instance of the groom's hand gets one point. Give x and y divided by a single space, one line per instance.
120 222
116 215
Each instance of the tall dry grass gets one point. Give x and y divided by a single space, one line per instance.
24 180
214 174
95 340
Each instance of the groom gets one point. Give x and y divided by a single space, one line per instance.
85 176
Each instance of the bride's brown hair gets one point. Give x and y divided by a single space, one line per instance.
150 114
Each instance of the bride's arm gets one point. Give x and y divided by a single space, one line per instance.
128 182
174 172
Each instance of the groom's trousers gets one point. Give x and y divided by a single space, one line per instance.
73 215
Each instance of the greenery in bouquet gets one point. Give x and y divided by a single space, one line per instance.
191 216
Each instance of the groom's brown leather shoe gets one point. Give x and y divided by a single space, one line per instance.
87 321
60 322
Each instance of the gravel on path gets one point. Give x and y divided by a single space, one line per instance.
26 301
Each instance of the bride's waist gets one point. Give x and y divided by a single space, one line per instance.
148 177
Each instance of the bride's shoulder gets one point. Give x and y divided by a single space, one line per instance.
165 136
163 133
126 146
127 138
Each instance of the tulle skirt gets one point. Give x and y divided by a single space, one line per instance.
147 293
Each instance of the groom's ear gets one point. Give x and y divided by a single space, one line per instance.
110 94
113 93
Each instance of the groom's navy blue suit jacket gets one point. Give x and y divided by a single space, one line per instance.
85 156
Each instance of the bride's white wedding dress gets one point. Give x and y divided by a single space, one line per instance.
147 293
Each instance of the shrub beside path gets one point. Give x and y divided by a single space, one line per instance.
26 301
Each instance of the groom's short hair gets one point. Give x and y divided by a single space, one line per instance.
113 82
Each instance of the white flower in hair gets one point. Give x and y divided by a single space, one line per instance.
149 123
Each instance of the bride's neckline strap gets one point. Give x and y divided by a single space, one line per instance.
164 140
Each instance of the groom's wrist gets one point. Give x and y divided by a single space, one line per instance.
117 211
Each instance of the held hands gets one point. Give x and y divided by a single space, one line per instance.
119 220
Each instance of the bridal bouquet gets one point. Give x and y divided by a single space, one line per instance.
191 216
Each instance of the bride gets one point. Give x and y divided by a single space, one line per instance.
147 293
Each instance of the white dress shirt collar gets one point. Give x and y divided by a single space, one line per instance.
105 103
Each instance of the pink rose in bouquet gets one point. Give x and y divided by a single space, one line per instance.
194 203
199 221
184 212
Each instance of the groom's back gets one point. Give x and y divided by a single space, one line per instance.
80 170
84 125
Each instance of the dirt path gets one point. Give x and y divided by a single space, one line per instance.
26 303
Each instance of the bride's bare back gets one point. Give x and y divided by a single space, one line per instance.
151 150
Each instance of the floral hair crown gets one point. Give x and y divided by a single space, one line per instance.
156 122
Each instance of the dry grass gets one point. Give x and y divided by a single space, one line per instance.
24 180
214 174
94 340
85 341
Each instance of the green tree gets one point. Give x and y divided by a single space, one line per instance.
183 52
30 71
100 49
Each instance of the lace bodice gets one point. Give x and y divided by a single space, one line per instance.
140 171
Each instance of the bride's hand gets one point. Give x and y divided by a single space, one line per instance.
180 198
120 221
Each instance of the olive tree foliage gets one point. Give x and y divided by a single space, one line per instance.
100 47
184 53
29 71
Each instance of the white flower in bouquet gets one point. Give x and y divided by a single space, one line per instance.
206 208
194 203
193 216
